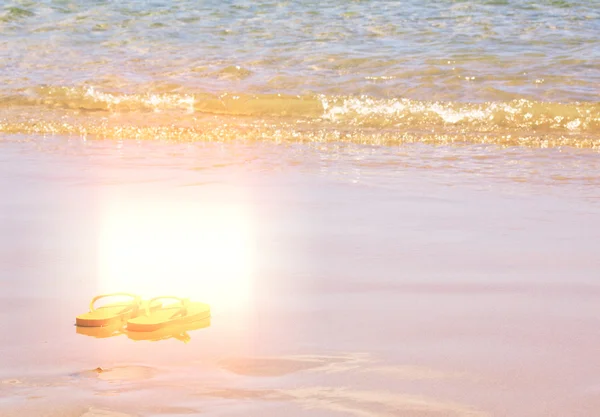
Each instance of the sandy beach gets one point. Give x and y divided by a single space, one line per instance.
360 285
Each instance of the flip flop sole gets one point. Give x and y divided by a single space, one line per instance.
168 332
104 316
101 332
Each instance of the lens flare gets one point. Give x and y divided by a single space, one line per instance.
200 251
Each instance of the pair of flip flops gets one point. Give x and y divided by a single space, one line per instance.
142 316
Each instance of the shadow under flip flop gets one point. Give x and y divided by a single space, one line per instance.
176 331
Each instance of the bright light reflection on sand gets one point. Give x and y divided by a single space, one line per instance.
204 252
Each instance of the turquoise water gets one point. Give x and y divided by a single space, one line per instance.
526 72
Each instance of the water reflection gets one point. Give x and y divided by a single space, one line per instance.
179 332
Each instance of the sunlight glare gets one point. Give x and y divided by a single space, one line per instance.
202 252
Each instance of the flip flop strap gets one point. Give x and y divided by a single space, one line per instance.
135 303
181 312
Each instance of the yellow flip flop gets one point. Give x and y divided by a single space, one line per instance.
114 313
110 330
181 312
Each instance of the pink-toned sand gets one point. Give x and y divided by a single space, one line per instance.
337 289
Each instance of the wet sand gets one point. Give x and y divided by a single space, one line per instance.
337 288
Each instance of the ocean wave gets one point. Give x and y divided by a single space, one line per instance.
489 116
361 111
203 116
